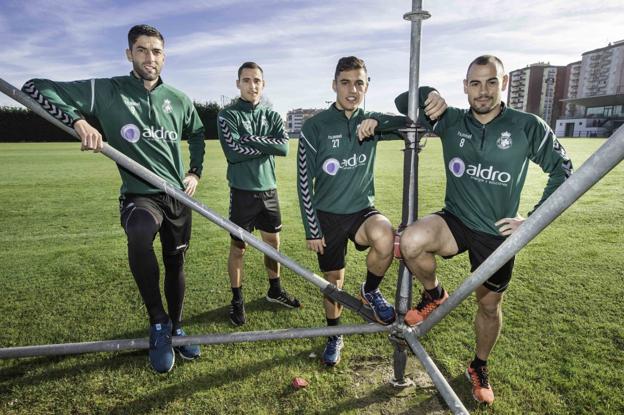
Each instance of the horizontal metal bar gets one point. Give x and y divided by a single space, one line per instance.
226 338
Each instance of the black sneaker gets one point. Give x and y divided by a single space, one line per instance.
237 312
284 299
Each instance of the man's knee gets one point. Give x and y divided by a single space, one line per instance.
272 239
237 248
382 239
415 240
379 235
141 228
490 305
174 260
335 277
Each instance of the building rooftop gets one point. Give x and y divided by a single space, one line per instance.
619 43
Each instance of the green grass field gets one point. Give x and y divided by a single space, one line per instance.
65 278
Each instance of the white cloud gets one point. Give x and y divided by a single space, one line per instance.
298 43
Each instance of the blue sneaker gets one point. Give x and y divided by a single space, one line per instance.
383 311
161 354
331 354
188 351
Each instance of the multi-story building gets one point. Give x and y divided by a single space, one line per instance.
594 102
538 89
572 78
295 119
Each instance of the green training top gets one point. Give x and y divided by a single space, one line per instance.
146 126
251 135
335 169
486 164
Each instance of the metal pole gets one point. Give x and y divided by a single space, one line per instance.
326 288
449 396
599 164
410 160
143 343
403 298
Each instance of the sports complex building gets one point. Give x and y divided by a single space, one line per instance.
582 99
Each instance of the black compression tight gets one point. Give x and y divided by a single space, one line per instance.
175 285
141 228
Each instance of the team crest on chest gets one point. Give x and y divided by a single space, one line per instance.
166 107
504 141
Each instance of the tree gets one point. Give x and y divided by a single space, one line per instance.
208 112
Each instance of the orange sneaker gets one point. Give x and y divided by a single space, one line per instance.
481 389
427 304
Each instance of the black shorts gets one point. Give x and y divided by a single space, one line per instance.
479 245
255 210
174 219
337 230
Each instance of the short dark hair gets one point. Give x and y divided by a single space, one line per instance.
484 60
249 65
143 30
349 63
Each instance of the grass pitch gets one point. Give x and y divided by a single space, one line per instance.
65 278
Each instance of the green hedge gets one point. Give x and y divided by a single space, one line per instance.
18 124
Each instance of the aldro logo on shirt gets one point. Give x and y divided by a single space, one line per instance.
332 165
479 173
132 133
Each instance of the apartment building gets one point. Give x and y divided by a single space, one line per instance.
595 99
296 117
582 99
538 89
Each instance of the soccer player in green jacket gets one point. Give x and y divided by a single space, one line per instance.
336 188
145 119
486 153
251 135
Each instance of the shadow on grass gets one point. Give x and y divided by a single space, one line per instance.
221 314
18 375
158 399
380 395
462 388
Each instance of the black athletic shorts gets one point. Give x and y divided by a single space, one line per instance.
479 245
337 230
173 218
255 210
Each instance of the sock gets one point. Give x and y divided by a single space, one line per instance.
436 292
477 363
333 321
275 286
237 293
372 282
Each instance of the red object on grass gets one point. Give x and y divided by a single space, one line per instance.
299 383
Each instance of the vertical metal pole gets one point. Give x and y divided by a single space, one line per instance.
403 297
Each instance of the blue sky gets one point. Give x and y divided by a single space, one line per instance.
298 42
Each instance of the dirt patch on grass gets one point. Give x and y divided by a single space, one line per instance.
376 395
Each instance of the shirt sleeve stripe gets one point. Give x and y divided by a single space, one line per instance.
306 140
543 140
92 95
